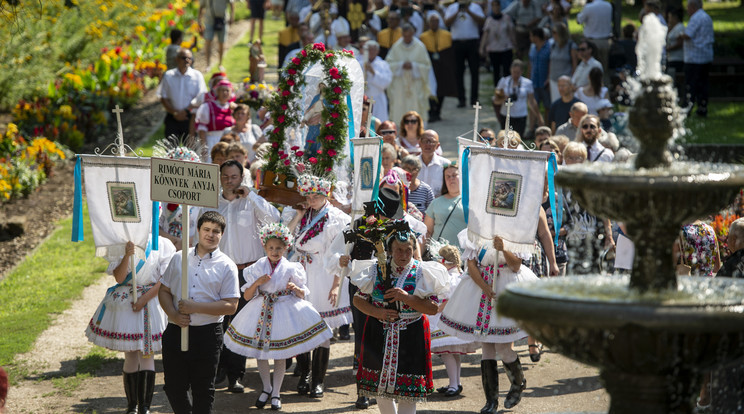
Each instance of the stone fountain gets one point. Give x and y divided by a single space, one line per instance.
651 334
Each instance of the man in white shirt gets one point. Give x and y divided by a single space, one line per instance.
597 20
580 77
244 212
590 129
377 76
212 293
464 20
181 92
432 165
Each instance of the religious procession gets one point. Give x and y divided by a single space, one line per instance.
274 221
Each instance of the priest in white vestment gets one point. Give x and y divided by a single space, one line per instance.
377 76
409 90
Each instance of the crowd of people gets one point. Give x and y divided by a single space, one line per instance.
270 284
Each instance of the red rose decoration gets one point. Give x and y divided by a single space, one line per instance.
335 102
334 115
284 156
280 119
329 125
286 162
329 55
292 71
295 148
299 154
284 107
303 53
351 52
313 160
285 93
330 137
319 46
296 60
329 169
290 82
337 89
275 145
332 152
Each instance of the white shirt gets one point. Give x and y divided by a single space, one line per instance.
597 19
464 27
244 216
432 173
581 74
211 278
182 89
523 87
376 84
596 149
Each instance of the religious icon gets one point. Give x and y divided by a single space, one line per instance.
123 202
503 194
366 173
311 119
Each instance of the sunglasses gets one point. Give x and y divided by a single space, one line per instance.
588 126
387 132
411 121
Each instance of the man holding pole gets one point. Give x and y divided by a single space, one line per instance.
212 293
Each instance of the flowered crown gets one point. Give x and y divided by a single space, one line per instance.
310 184
176 148
275 231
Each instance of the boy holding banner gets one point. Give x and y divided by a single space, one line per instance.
213 293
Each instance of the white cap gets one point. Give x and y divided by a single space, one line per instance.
604 103
340 27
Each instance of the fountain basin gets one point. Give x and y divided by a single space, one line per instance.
651 347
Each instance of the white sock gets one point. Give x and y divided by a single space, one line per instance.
131 362
146 363
386 406
451 366
406 407
263 372
280 366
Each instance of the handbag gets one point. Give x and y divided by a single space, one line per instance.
683 269
218 24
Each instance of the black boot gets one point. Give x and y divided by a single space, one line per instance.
518 383
303 367
145 389
490 379
130 389
320 365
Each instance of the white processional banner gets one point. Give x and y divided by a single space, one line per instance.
463 143
503 192
119 205
367 153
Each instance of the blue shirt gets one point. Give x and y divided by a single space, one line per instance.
540 60
699 48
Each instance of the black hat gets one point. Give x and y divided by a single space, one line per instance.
387 205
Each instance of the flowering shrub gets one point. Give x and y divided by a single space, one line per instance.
75 106
24 164
721 224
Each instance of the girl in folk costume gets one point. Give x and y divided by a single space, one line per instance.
214 116
315 228
134 328
278 287
395 360
477 320
448 347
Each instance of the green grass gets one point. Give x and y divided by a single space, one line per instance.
719 127
68 385
44 285
95 359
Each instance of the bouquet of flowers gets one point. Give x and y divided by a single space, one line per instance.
254 94
721 224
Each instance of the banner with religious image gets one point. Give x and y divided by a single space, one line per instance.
367 153
502 195
118 195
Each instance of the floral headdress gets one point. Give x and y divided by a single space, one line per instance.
310 184
174 148
275 231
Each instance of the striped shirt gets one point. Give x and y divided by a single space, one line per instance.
421 197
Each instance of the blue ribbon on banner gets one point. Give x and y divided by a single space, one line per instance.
465 183
155 224
556 212
376 189
77 204
126 279
350 118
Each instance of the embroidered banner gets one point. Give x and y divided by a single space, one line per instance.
367 153
119 205
503 194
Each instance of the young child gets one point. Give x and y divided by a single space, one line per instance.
219 152
134 328
278 287
449 348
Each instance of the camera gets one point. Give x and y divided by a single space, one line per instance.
514 96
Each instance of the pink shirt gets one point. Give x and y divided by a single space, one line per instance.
498 34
